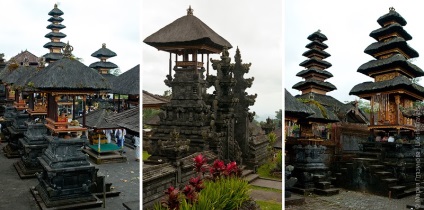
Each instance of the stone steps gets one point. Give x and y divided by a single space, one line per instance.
251 177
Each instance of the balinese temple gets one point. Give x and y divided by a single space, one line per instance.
152 101
190 41
55 45
391 89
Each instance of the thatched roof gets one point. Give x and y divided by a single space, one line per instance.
187 30
20 57
310 61
54 44
391 16
315 51
396 60
53 56
101 64
397 42
305 72
399 82
325 85
55 26
128 119
104 52
22 73
127 82
295 108
69 74
317 36
55 19
151 100
395 27
109 77
97 119
55 11
316 43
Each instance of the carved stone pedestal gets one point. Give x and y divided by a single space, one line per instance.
31 147
15 131
67 176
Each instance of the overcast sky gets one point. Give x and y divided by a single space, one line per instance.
347 25
255 27
88 25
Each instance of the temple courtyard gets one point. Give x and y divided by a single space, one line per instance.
123 176
350 200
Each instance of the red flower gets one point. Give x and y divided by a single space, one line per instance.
231 168
189 193
197 183
172 202
199 161
219 165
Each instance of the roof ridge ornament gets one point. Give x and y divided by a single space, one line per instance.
391 9
67 50
55 5
319 31
190 10
104 45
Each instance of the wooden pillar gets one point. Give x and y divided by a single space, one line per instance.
73 107
84 99
372 111
397 101
170 64
119 103
207 65
31 101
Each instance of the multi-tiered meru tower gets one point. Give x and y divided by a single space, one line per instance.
55 45
315 73
393 87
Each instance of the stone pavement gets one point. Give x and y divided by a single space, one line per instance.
351 200
15 193
267 195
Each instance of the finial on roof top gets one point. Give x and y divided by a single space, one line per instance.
190 11
67 50
104 45
41 62
319 31
391 9
55 5
26 61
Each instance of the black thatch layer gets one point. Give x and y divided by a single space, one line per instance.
127 82
325 100
109 77
22 82
317 36
308 82
397 42
100 64
55 19
21 72
391 16
53 56
69 74
396 60
187 30
104 52
321 114
305 72
54 44
97 119
316 61
315 43
319 52
56 11
55 34
56 26
293 107
396 27
399 82
128 119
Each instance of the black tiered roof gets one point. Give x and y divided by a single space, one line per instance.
316 54
391 39
103 52
55 25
